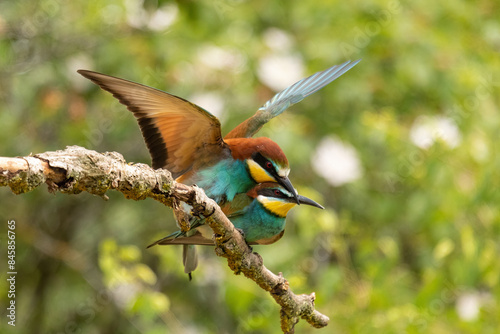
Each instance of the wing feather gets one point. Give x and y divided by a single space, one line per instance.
291 95
178 133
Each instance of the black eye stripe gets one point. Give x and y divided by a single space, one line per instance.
269 192
262 161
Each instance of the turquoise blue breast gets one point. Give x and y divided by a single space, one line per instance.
224 180
258 223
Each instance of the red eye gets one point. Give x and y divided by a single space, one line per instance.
269 165
277 192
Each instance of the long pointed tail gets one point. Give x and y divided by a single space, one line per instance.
190 259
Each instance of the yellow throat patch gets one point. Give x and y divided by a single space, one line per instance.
258 173
277 207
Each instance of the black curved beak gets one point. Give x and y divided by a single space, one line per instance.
308 201
285 182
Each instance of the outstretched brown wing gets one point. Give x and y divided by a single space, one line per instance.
178 133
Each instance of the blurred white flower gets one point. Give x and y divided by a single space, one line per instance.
469 304
163 17
221 58
428 129
124 293
280 71
136 14
336 161
278 39
159 20
212 102
76 62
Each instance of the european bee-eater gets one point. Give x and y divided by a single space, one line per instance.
186 139
262 220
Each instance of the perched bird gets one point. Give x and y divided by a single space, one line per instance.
261 221
186 139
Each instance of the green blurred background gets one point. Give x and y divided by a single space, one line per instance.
400 150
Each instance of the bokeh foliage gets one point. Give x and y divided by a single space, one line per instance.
402 249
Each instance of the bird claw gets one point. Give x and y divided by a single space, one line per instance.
243 236
197 212
241 232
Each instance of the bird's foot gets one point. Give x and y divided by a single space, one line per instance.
240 231
243 236
198 213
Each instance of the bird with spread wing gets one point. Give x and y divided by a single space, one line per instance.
187 140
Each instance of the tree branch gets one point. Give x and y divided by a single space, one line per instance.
76 169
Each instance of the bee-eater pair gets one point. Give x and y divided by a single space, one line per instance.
247 177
